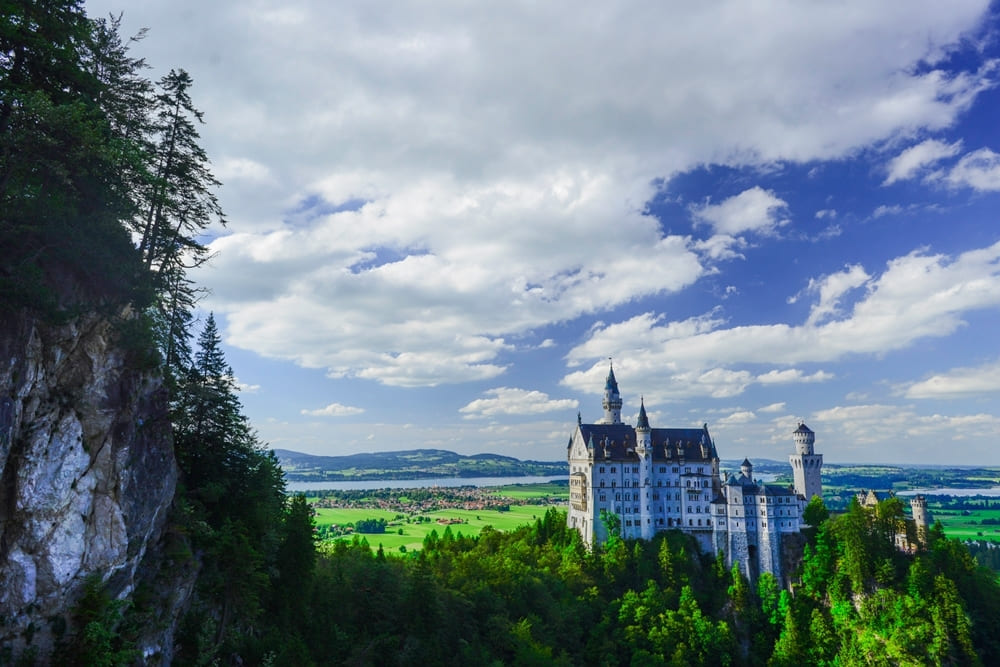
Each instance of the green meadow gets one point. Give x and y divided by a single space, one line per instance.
411 535
968 524
409 531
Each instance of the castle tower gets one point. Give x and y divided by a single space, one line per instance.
746 469
612 400
806 464
644 450
921 517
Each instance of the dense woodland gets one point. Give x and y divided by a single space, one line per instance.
104 195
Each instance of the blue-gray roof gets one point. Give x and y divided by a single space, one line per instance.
614 441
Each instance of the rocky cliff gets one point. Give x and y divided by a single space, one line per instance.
88 473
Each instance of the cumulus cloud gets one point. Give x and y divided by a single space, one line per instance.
754 210
979 170
868 424
916 296
773 407
510 401
831 288
496 148
912 160
334 410
958 383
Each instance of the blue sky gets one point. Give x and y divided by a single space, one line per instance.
444 218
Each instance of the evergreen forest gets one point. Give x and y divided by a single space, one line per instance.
105 197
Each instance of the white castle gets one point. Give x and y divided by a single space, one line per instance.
655 479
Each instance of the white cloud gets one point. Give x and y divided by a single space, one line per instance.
979 170
509 401
863 425
915 158
958 383
334 410
886 209
793 375
478 139
831 288
245 388
773 407
721 246
753 210
916 296
741 417
826 213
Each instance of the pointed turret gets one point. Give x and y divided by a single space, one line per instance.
612 402
643 422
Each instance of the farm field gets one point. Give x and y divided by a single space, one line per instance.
968 524
413 533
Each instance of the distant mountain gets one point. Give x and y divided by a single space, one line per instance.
409 464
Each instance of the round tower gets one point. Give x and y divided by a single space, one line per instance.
921 518
806 464
804 439
612 402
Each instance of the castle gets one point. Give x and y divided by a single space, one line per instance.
655 479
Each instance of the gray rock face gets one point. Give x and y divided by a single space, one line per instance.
87 470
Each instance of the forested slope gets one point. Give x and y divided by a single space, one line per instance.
105 195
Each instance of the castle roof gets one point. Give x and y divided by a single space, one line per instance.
617 441
802 429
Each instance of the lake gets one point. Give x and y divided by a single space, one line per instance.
294 487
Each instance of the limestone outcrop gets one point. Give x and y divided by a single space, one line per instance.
87 471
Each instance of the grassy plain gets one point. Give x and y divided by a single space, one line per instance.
414 532
967 524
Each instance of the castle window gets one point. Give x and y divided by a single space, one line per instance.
663 468
602 483
674 469
699 522
612 468
690 522
612 484
602 468
687 469
618 496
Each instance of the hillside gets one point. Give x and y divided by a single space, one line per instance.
408 464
